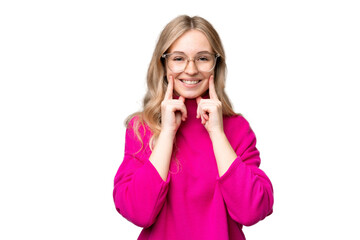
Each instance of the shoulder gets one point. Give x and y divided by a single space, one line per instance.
236 123
238 129
137 138
240 135
136 127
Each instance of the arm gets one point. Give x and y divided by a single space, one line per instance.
210 112
142 181
173 111
161 154
224 153
139 191
246 189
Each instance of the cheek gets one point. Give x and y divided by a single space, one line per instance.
176 83
206 85
210 73
177 87
174 75
206 75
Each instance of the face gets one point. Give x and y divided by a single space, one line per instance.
190 83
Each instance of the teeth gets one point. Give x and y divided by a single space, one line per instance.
190 82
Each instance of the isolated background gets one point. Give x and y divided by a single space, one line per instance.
71 71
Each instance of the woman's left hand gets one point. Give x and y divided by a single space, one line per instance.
210 110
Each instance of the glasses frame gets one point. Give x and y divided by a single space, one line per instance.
216 55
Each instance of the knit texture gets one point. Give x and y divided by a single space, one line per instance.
194 202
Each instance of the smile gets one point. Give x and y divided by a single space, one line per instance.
190 82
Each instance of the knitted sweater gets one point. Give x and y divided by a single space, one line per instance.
194 202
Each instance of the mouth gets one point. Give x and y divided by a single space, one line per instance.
189 81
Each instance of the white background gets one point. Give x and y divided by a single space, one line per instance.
71 71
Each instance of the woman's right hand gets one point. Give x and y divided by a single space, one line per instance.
173 111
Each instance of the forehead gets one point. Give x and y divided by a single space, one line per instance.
191 42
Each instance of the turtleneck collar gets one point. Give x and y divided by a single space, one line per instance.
191 105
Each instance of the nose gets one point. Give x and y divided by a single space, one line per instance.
191 68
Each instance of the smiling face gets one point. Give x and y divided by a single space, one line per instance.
190 83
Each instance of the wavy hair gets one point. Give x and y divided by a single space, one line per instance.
156 75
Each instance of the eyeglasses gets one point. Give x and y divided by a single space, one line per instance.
177 61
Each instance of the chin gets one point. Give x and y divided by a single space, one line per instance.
189 95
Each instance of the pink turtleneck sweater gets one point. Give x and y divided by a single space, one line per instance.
194 202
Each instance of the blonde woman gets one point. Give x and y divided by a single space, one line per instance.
191 166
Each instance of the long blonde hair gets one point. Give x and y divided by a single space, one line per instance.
156 75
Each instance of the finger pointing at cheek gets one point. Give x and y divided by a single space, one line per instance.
170 89
212 91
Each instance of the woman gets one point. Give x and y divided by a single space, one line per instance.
191 167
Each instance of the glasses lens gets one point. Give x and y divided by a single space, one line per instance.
177 62
205 62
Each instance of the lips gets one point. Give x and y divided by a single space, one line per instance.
190 81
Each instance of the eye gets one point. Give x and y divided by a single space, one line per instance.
177 58
203 58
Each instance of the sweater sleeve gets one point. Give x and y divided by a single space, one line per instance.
139 191
247 191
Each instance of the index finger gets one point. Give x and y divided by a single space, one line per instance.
212 91
170 87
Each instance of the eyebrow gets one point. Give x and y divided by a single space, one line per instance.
201 52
